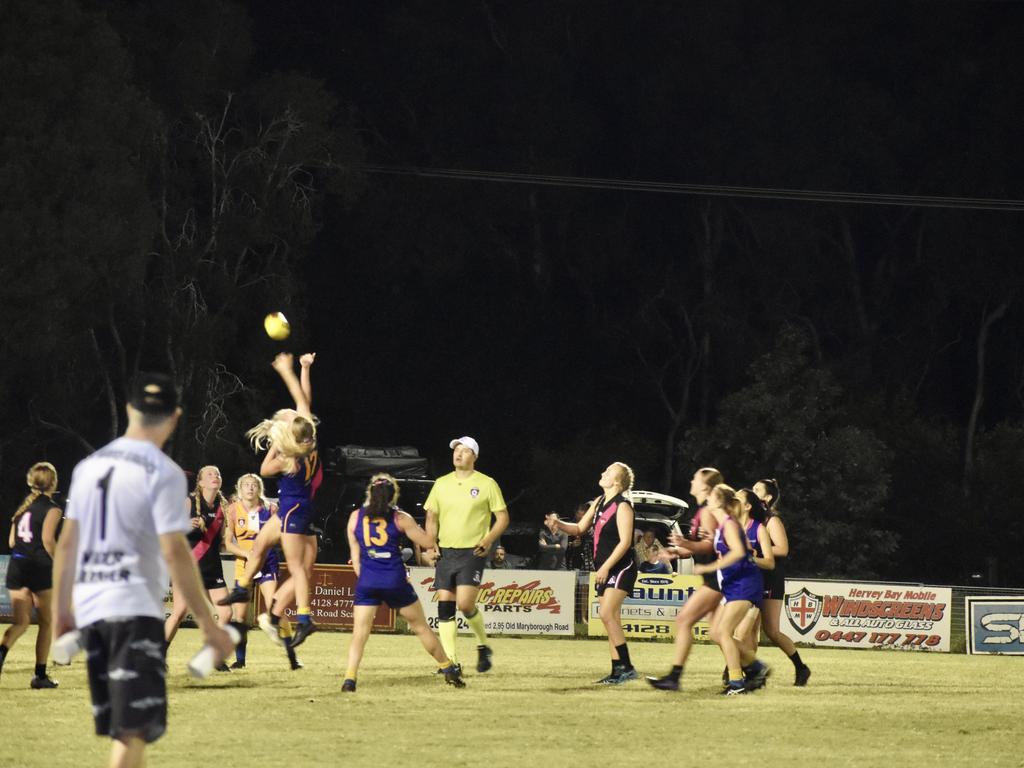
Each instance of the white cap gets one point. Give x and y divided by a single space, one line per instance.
469 442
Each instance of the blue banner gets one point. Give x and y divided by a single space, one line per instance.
995 625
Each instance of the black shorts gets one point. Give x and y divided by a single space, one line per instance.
458 567
28 572
775 583
125 660
711 581
622 576
213 579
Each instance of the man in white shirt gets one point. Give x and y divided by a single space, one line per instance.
125 527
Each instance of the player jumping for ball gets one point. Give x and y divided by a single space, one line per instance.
290 437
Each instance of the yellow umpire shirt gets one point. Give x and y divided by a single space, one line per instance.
464 508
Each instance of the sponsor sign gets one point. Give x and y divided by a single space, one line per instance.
332 596
651 608
865 615
995 625
6 609
513 602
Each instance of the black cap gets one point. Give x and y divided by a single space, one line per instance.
153 393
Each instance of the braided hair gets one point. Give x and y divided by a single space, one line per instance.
42 481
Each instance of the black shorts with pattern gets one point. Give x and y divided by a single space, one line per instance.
458 567
125 660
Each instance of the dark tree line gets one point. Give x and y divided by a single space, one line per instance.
172 173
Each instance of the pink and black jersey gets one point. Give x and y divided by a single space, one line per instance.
710 579
606 534
28 531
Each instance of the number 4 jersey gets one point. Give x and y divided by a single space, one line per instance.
123 497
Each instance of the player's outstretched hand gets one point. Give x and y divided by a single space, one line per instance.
307 359
283 362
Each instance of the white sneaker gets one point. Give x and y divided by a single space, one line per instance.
271 631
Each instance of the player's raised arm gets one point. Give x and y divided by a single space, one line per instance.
305 382
581 527
283 364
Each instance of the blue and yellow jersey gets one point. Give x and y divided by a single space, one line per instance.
380 553
299 487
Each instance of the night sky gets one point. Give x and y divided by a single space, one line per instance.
867 354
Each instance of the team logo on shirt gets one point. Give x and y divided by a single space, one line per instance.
474 492
803 609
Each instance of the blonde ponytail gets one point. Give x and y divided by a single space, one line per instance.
41 479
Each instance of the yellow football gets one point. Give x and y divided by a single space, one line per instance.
276 326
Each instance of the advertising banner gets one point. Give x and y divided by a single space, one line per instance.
995 625
650 611
513 602
861 615
332 595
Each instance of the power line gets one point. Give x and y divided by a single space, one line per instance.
703 190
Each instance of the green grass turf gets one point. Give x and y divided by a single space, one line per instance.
538 708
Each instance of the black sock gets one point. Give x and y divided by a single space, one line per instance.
3 655
291 655
795 658
623 652
40 670
676 673
240 650
275 620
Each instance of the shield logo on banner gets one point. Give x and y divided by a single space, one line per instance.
803 609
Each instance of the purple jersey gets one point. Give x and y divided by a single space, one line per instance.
380 554
295 495
753 528
742 580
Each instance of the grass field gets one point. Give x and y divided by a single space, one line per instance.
537 707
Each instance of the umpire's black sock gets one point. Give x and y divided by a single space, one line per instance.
3 655
676 673
40 670
795 658
623 652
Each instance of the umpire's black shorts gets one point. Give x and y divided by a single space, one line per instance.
458 567
125 659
